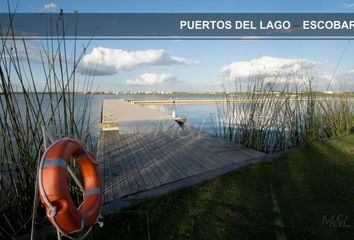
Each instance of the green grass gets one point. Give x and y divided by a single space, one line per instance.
285 198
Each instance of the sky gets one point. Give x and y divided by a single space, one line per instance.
200 65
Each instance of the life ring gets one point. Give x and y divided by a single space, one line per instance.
54 191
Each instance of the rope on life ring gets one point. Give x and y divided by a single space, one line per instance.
54 192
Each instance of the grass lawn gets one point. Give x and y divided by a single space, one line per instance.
286 198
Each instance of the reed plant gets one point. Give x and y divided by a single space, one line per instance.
275 115
29 101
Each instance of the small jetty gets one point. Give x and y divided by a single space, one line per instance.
144 152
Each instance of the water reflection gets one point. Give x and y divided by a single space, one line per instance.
198 115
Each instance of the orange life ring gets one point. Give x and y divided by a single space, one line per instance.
54 191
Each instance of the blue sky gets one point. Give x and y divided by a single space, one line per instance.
190 6
210 58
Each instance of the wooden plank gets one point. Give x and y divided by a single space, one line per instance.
162 174
169 158
100 158
139 159
146 175
108 169
115 165
134 163
166 165
120 181
148 160
131 185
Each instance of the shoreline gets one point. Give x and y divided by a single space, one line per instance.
223 100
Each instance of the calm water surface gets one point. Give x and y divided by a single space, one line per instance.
198 115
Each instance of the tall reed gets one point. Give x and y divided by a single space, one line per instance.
275 115
28 101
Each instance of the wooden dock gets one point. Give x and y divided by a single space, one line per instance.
130 118
148 162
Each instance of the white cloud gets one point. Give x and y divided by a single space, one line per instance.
348 5
32 47
268 67
343 78
151 79
109 61
50 5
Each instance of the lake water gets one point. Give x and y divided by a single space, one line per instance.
198 115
